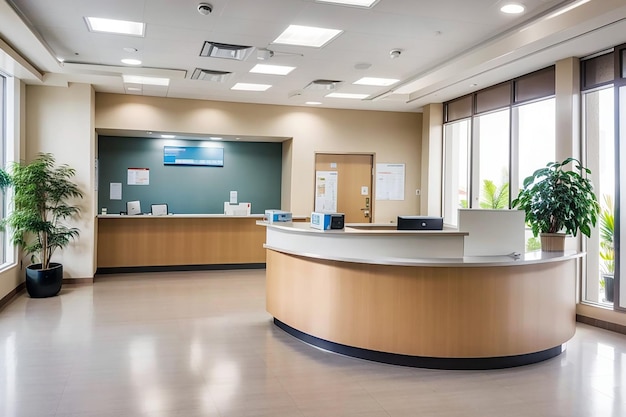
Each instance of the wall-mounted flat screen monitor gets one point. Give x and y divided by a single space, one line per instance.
420 223
133 208
158 209
193 155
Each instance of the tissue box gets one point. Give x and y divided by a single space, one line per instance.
327 221
277 216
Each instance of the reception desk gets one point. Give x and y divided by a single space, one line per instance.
361 293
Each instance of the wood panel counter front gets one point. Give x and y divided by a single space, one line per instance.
467 313
178 240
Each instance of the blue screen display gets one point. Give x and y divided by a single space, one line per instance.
191 155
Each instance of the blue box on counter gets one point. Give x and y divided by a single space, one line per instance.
327 221
277 216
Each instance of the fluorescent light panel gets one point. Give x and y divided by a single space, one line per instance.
250 87
139 79
348 95
130 61
358 3
168 136
313 103
307 36
123 27
272 69
379 82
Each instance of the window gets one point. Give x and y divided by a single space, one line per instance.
456 169
599 138
492 164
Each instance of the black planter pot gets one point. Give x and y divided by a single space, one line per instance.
608 287
42 283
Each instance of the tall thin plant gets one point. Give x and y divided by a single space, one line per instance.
42 192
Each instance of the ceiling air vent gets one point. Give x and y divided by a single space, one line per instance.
226 51
323 85
210 75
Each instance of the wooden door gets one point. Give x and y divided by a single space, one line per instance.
353 176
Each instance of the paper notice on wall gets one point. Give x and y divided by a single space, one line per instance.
115 191
326 191
389 181
138 176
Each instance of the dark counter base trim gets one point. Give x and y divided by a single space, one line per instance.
175 268
424 361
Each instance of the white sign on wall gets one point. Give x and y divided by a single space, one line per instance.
389 181
326 191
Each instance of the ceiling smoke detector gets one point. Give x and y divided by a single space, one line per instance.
395 53
205 9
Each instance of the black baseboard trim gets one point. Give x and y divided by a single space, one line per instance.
424 361
176 268
7 299
606 325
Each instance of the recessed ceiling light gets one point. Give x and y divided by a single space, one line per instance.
512 8
348 95
307 36
272 69
139 79
250 87
215 138
130 61
313 103
358 3
124 27
380 82
168 136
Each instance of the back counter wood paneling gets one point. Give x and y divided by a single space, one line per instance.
141 241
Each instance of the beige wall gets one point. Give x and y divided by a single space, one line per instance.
391 137
60 120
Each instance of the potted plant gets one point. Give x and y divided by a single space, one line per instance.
41 203
607 247
558 201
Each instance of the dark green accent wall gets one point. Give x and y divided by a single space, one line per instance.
253 169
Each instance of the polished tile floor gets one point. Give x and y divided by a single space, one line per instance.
201 344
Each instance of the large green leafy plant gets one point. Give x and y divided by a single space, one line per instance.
42 199
556 199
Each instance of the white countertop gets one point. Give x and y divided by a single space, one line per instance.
305 227
185 216
436 248
529 258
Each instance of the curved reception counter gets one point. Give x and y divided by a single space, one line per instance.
412 298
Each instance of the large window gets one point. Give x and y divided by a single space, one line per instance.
3 135
603 83
493 139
